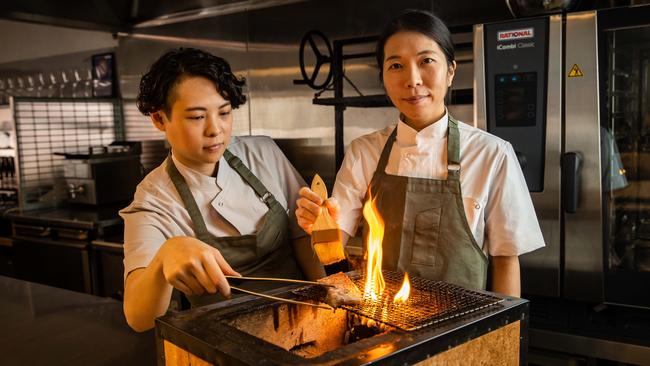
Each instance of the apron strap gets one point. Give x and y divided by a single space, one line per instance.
200 228
188 199
453 147
250 178
385 153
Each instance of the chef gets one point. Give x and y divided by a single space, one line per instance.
452 197
218 205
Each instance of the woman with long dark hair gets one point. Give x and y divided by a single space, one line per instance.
452 197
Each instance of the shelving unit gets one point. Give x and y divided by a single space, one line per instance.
340 102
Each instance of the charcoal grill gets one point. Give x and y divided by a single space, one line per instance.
430 302
440 322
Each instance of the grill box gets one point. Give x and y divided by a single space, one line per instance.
255 331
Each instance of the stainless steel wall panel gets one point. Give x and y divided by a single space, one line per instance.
464 77
285 112
540 270
462 112
583 277
480 114
362 121
140 128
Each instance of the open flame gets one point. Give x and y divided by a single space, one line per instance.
375 283
374 278
403 294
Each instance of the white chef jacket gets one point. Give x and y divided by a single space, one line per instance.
228 204
496 200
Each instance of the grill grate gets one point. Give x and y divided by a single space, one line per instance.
430 302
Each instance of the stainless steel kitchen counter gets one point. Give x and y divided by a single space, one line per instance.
42 325
73 217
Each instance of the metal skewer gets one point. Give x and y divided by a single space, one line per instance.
279 280
322 306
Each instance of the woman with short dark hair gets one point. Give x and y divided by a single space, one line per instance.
217 205
451 196
170 68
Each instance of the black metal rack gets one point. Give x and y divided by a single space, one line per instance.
341 102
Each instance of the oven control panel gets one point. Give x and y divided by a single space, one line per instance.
515 77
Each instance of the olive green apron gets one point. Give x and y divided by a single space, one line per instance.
426 232
265 254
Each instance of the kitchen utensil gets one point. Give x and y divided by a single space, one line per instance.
325 236
322 306
289 280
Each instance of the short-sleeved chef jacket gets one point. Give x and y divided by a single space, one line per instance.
496 200
229 206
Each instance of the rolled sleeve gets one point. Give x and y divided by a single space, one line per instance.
511 223
350 189
143 237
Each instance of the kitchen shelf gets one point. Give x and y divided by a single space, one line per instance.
340 102
458 96
366 101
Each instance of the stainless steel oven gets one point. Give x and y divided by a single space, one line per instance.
53 255
571 92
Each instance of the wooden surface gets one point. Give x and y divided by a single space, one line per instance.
177 356
500 347
497 348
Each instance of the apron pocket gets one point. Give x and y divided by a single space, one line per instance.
425 237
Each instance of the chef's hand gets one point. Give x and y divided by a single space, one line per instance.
194 267
309 207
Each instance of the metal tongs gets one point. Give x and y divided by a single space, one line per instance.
322 306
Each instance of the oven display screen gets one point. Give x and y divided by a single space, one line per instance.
516 99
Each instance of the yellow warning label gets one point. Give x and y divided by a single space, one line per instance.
575 72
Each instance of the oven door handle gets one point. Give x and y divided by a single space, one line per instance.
571 168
